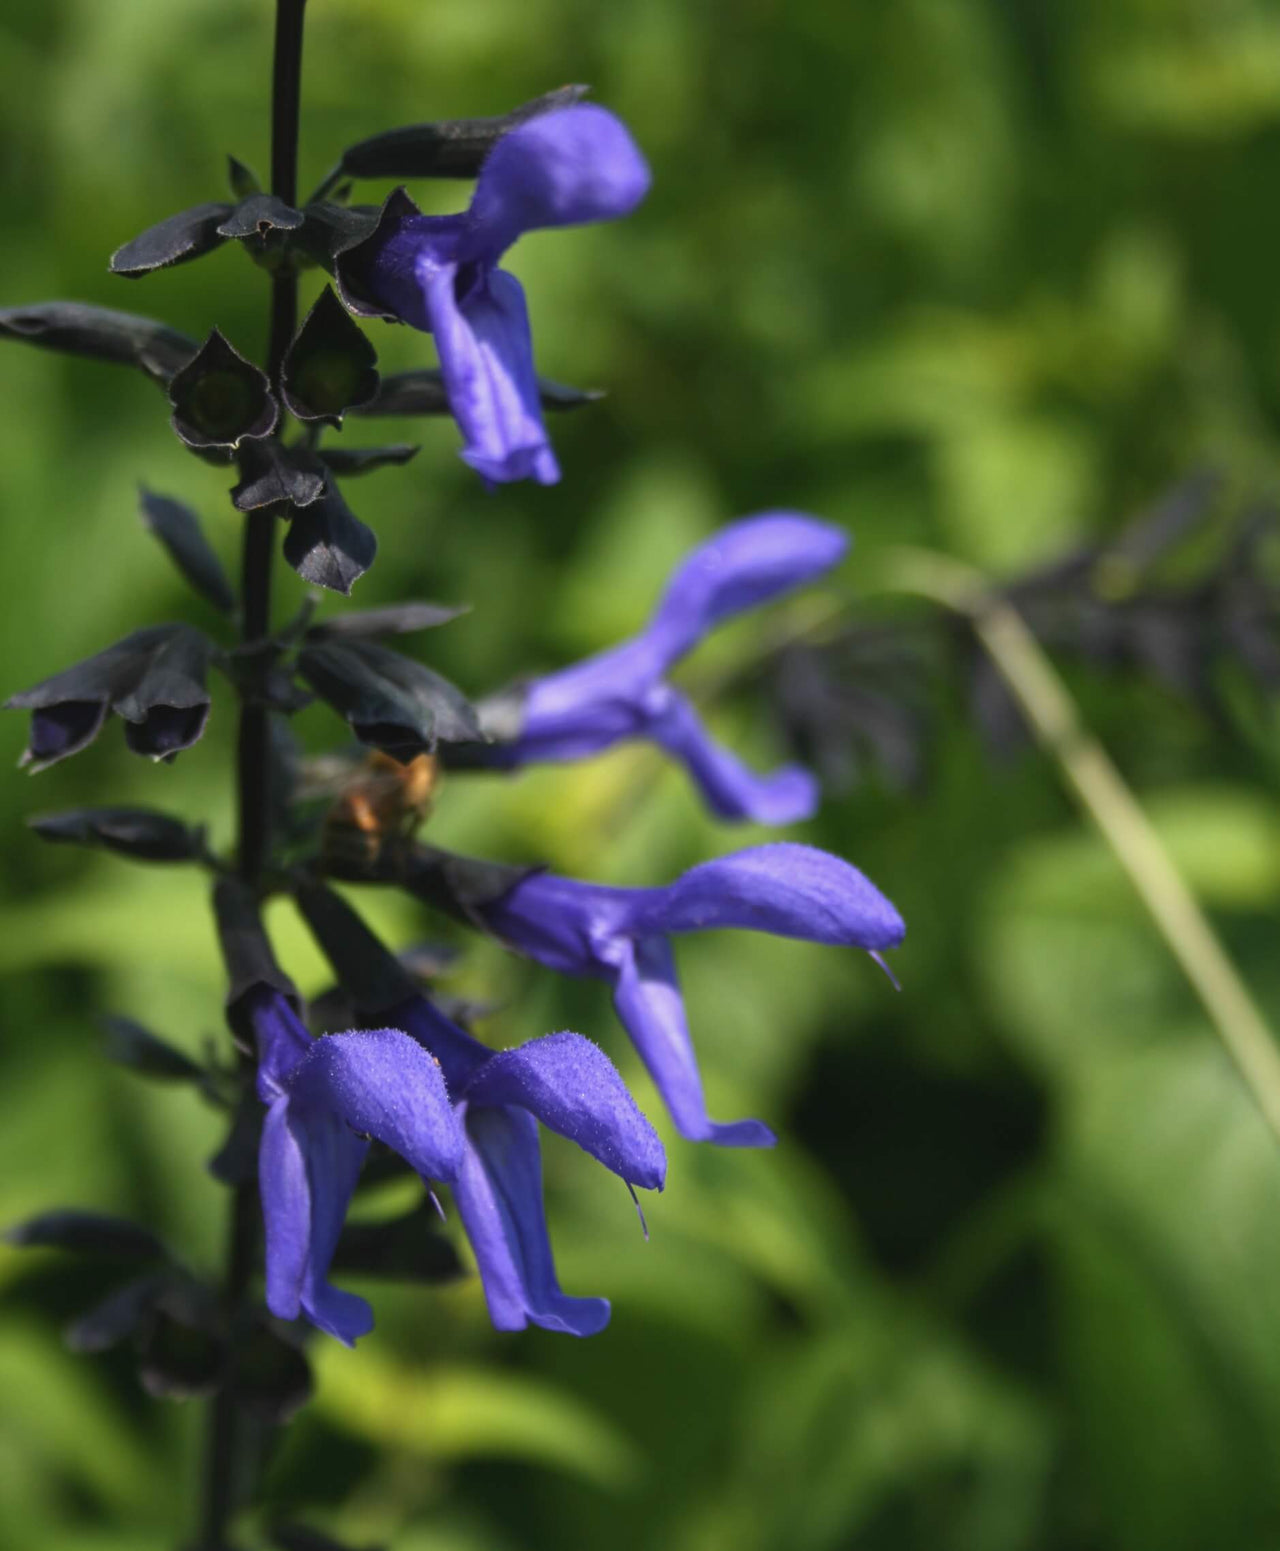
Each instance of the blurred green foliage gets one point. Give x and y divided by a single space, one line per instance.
982 275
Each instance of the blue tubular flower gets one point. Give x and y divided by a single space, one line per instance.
622 693
569 1085
622 936
324 1097
440 274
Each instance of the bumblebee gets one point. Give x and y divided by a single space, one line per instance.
377 801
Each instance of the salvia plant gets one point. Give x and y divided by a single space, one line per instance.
382 1074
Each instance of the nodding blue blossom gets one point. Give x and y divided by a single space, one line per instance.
572 1087
623 936
622 693
440 274
324 1097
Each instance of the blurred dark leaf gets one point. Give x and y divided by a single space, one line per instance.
102 333
330 367
131 1045
995 711
409 1248
180 1353
300 1537
556 395
246 951
219 398
367 970
332 1012
1155 533
450 149
421 392
390 701
87 1233
428 960
269 1373
459 885
390 619
858 702
284 766
116 1318
139 833
178 528
328 544
174 240
363 460
236 1161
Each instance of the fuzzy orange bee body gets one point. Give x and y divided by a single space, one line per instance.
378 801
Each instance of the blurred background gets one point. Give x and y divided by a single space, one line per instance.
990 276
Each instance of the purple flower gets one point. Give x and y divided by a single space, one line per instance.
623 936
324 1098
440 274
569 1085
623 693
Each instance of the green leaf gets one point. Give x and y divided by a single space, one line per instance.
457 1412
67 1425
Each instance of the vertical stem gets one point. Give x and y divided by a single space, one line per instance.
252 760
220 1461
252 753
259 544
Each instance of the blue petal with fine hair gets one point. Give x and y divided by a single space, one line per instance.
286 1211
747 563
321 1093
384 1084
499 1197
565 168
458 1053
573 1088
308 1165
282 1039
561 922
481 328
647 996
786 889
412 250
621 935
730 789
570 1086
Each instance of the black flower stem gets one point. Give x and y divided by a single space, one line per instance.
222 1465
260 531
222 1473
